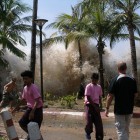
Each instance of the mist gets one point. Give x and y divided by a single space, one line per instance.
61 72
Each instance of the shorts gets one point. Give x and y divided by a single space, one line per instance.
38 117
7 98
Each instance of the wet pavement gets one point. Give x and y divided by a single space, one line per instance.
63 125
72 126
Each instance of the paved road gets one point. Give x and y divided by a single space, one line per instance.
64 126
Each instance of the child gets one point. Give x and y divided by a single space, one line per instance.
31 95
9 94
93 92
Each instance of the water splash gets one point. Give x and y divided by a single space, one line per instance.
61 67
61 72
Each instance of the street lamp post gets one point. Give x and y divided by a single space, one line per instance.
40 23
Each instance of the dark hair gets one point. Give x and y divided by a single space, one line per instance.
95 76
27 73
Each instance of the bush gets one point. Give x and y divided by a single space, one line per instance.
68 101
2 138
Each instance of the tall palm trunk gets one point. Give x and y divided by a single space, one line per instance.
33 41
80 56
101 71
82 79
133 51
134 60
101 67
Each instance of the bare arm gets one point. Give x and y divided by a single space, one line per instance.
31 116
35 104
92 103
90 100
6 87
10 86
108 103
17 107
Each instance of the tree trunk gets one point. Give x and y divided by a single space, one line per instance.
80 56
33 40
133 51
134 60
101 72
101 67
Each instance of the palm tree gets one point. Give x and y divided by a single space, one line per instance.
13 26
66 24
126 19
90 19
33 41
97 26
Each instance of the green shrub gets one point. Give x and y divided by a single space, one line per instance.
68 101
49 96
2 138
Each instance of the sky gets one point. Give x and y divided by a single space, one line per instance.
51 9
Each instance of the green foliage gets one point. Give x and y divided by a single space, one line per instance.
49 99
49 96
12 27
51 103
2 138
68 101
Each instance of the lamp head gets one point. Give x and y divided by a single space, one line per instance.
40 22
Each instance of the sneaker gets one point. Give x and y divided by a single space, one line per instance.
88 137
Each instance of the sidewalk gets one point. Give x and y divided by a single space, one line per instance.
111 114
69 124
136 114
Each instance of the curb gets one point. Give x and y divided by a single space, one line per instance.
81 114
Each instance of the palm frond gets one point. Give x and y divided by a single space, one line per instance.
53 40
11 47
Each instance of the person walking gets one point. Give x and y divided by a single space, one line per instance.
31 95
123 89
93 92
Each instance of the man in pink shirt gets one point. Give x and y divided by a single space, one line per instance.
31 95
93 92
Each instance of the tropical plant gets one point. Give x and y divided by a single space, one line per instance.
2 138
12 27
66 24
68 101
96 25
89 19
127 20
